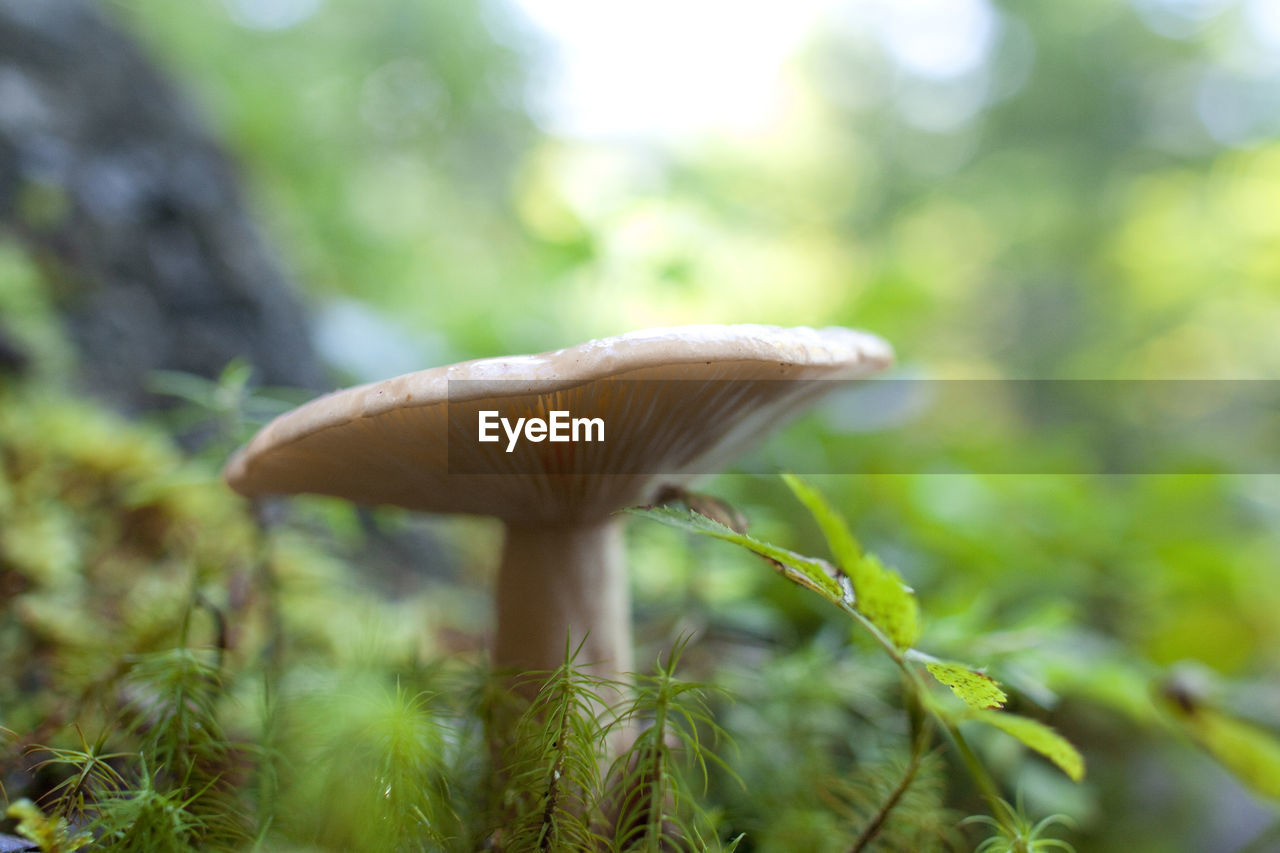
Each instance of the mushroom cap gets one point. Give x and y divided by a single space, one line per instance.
674 401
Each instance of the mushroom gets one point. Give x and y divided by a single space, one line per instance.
672 402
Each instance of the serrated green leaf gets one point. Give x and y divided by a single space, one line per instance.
1039 737
879 593
881 596
844 547
977 689
810 573
1251 753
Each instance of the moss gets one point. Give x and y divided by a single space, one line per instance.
106 533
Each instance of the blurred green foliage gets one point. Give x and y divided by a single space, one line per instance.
1078 218
107 534
1092 197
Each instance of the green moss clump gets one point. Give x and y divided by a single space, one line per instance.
106 536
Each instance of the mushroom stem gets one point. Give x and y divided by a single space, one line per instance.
558 582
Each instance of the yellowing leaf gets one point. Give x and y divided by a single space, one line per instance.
49 833
880 595
977 689
1039 737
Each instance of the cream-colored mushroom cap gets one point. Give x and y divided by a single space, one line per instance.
672 400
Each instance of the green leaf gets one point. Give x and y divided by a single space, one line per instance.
50 834
817 575
1251 753
879 593
881 596
1039 737
844 547
977 689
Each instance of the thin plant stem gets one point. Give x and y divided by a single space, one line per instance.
869 832
986 785
913 684
553 783
658 794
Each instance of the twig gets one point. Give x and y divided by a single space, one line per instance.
869 832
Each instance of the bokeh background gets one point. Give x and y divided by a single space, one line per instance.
1085 190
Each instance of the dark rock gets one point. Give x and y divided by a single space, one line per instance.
110 178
